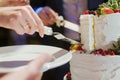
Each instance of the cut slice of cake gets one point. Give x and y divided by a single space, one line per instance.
87 32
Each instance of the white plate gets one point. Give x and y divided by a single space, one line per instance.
29 52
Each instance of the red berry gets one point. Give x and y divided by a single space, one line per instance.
117 10
70 48
96 52
79 48
112 53
68 75
86 12
100 50
104 53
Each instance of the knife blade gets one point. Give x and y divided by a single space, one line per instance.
67 24
64 23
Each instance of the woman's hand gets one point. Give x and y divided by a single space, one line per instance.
22 19
4 3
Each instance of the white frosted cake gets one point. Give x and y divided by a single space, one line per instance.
93 67
99 59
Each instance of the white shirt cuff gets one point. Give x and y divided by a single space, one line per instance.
38 9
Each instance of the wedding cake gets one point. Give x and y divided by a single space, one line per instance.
98 56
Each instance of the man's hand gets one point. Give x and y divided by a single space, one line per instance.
31 71
48 16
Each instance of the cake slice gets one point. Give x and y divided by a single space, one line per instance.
87 32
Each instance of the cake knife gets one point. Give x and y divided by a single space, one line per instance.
61 22
57 35
67 24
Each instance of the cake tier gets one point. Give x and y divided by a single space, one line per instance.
94 67
99 32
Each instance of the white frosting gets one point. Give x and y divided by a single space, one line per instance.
93 67
107 30
86 30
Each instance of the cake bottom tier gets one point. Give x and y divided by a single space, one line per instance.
94 67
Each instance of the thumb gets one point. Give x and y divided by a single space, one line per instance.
38 62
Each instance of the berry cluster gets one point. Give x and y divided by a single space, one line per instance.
90 12
108 10
112 6
102 11
103 52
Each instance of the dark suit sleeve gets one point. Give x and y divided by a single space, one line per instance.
105 0
56 5
94 4
37 3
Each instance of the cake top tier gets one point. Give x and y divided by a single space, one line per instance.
103 31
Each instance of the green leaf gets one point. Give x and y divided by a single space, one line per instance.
114 46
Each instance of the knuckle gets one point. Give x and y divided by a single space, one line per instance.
17 16
22 9
46 7
19 32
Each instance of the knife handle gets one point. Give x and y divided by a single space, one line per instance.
60 21
47 30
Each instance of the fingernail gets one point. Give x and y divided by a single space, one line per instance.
42 35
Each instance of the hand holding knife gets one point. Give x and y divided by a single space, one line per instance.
62 23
